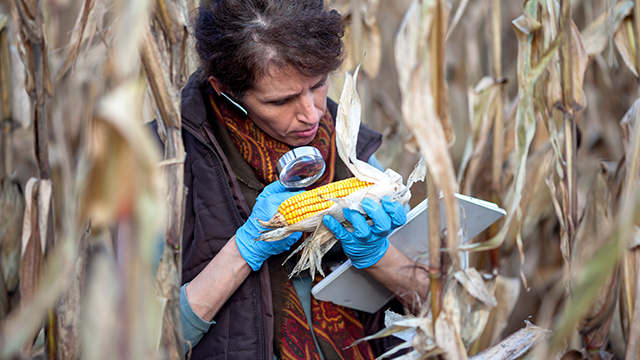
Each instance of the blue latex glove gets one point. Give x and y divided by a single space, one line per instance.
256 252
366 245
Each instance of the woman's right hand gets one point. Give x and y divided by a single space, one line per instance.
256 252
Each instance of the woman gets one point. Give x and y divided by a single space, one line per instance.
260 91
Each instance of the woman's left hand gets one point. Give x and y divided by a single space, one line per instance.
366 245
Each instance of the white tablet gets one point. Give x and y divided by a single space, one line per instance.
356 289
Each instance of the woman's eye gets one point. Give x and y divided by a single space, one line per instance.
319 85
279 102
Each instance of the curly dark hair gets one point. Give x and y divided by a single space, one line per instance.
238 40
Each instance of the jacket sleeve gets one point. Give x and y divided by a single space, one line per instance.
193 327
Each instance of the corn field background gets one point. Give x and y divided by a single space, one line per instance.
531 104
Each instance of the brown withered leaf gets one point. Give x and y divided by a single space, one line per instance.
472 281
116 148
507 291
32 250
11 215
128 28
77 37
629 124
590 237
448 339
362 36
34 234
577 100
596 34
465 303
531 65
624 39
483 103
5 83
515 345
419 65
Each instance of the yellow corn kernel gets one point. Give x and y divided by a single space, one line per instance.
306 204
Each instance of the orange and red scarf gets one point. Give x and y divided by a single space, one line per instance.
336 327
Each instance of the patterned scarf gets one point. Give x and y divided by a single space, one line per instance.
336 327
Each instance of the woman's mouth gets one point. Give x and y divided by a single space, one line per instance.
307 133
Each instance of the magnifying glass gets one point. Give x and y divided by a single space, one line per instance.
300 167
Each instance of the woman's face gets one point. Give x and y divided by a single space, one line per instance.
288 105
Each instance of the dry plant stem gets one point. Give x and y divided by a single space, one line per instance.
435 274
566 58
437 47
164 67
126 254
4 297
32 19
570 131
498 125
6 127
633 348
636 30
5 78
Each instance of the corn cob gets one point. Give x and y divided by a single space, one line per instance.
304 205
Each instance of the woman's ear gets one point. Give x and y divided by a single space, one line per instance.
216 84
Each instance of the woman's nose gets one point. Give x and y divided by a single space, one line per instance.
308 112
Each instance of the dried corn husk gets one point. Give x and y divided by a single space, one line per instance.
467 301
388 183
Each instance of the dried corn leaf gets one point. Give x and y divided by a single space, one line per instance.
625 40
33 237
530 68
5 83
629 124
362 36
77 38
166 98
483 107
590 237
468 315
507 292
473 283
574 98
589 283
31 45
11 215
115 148
448 339
131 23
172 17
515 345
421 77
596 34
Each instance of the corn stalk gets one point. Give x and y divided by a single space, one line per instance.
164 60
29 21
